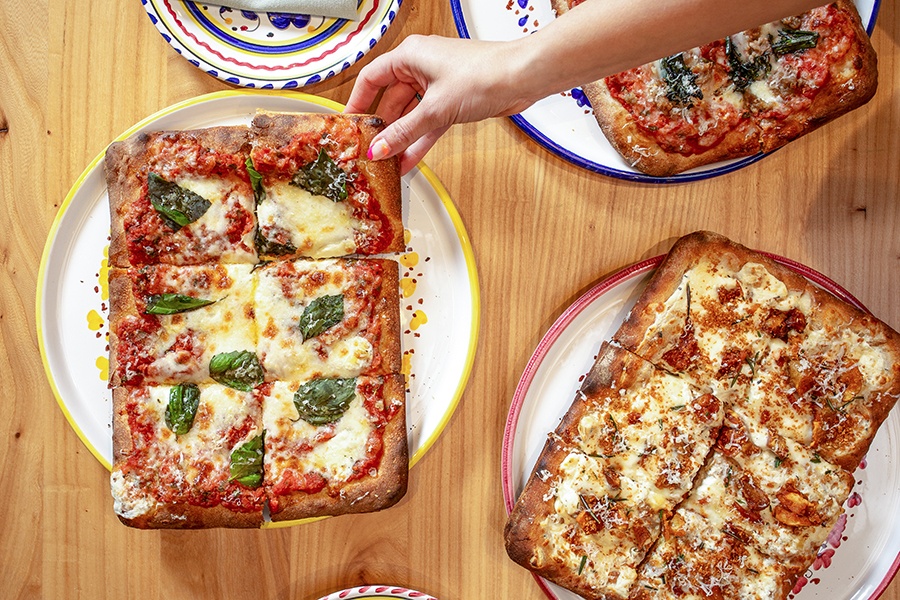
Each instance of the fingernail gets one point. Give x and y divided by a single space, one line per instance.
378 150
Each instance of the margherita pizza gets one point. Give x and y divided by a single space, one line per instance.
248 372
735 401
749 93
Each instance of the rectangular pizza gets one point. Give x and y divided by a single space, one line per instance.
752 92
250 375
736 399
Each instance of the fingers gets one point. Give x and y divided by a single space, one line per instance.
371 80
417 151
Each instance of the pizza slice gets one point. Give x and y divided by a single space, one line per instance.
317 194
780 498
181 197
187 456
694 560
621 460
175 324
777 349
334 446
752 92
816 67
328 318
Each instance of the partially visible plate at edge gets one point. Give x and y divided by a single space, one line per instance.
439 302
269 50
863 552
564 123
377 591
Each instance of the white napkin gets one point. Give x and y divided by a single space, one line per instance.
342 9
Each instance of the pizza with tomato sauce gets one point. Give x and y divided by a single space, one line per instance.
251 372
749 93
736 400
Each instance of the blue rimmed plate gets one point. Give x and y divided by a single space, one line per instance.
563 123
269 50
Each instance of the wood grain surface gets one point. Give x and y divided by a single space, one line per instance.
74 75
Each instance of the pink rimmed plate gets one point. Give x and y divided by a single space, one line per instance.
863 552
378 591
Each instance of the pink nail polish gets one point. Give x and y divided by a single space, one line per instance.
378 150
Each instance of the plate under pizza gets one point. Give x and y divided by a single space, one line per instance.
863 552
439 286
563 123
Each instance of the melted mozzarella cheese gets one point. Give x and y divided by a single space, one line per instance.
333 458
213 225
227 325
317 226
129 501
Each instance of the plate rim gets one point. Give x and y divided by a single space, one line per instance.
551 336
555 148
289 80
432 179
378 591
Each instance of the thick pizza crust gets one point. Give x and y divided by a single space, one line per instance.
127 163
642 152
525 536
277 130
370 493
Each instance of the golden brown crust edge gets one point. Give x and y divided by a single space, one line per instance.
121 304
388 310
122 164
524 538
642 152
367 494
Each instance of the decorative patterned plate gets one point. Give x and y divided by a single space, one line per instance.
861 555
564 123
440 302
378 591
269 50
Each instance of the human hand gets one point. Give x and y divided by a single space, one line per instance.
431 83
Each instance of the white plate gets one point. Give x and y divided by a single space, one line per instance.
269 50
378 591
564 123
866 554
439 317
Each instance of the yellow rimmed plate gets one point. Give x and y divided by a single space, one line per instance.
440 298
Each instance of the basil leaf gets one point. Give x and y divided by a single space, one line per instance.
176 205
247 462
794 40
170 304
267 246
323 401
743 73
184 399
322 177
255 181
320 314
681 82
238 370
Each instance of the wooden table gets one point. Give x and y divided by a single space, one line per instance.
74 75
